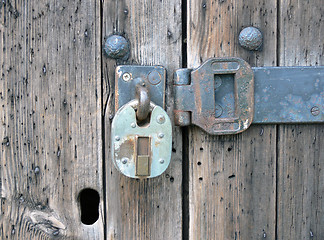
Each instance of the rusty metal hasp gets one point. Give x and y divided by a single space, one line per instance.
222 96
199 102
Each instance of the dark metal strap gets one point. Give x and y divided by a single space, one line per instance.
289 94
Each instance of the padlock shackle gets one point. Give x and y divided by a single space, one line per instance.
143 98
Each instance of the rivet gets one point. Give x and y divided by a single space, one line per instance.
315 111
133 125
126 77
154 77
36 170
117 47
161 135
161 161
160 119
117 138
251 38
218 110
124 160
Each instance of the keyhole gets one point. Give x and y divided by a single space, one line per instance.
89 202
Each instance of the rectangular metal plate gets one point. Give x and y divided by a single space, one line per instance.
281 95
289 94
128 76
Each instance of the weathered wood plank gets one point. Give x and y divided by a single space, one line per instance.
144 209
300 152
232 178
50 95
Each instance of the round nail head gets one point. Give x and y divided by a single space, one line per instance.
117 47
251 38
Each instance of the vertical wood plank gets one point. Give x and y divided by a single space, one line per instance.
50 131
300 152
232 178
144 209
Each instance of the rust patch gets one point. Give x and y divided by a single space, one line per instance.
127 148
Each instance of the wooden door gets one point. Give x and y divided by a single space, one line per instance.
57 94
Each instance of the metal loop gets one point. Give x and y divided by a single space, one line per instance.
143 97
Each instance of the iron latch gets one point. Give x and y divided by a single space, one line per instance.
199 101
222 96
226 95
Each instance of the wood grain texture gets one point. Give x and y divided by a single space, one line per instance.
50 95
144 209
232 178
300 204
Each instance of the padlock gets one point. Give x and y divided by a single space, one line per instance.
141 149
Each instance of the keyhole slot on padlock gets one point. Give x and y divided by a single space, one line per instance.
143 156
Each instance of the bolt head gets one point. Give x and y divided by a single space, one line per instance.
124 160
117 47
161 135
251 38
160 119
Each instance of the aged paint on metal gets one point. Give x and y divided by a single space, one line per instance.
126 131
152 77
195 98
289 94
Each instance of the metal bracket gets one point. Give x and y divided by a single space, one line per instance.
129 76
197 101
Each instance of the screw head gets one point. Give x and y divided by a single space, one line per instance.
315 111
251 38
161 135
124 160
161 161
160 119
126 77
117 138
133 125
117 47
